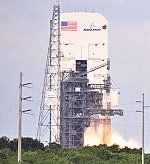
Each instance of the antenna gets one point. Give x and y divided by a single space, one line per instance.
75 9
85 8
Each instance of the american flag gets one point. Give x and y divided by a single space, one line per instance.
68 26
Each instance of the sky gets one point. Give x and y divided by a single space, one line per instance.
24 39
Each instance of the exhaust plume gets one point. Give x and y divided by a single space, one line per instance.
93 137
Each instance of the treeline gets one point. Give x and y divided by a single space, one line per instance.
27 144
35 152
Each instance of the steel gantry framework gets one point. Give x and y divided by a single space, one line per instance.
48 123
79 101
69 101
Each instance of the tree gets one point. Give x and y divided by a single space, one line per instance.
4 142
115 148
13 144
31 144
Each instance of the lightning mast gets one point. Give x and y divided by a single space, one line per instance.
48 124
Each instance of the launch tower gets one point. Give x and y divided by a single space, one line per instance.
77 91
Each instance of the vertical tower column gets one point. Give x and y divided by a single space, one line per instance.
49 109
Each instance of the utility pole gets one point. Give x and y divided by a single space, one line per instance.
143 135
143 129
20 119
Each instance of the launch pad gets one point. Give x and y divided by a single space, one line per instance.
77 92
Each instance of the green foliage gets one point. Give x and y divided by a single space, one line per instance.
54 146
129 150
13 144
115 148
31 144
7 157
31 157
4 142
105 154
35 153
27 144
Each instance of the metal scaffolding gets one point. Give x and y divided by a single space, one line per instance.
48 124
78 103
73 113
